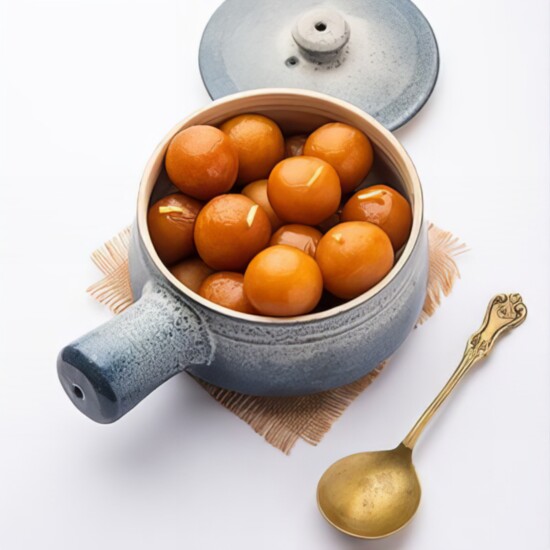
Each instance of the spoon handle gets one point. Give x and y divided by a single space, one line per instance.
505 311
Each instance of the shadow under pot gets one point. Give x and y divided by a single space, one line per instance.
170 329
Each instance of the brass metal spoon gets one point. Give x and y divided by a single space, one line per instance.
372 495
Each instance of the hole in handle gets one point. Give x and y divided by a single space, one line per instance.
77 390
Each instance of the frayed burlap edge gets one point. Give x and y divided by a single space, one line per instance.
444 248
114 289
282 420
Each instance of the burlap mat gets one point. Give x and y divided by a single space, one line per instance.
282 420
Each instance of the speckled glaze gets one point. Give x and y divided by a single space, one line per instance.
380 55
171 329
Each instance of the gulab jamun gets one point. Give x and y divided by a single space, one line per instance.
346 149
304 190
353 257
226 289
230 230
202 162
283 281
171 222
191 273
302 237
384 207
259 142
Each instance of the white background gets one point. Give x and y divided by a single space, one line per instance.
89 88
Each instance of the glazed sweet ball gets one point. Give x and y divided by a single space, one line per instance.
171 222
283 281
202 162
294 145
345 148
191 272
230 230
384 207
302 237
304 190
226 289
353 257
257 191
259 142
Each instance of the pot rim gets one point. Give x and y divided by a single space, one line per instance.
383 139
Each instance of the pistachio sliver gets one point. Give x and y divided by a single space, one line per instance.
170 210
251 215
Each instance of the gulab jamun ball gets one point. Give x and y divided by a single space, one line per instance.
191 273
202 162
353 257
346 149
385 207
304 190
230 230
226 289
259 143
171 222
302 237
282 281
257 191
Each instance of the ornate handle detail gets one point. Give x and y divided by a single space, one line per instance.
505 311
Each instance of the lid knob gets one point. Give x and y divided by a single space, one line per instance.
321 34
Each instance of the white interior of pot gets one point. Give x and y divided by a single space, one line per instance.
296 112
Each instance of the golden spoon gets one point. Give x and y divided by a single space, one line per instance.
372 495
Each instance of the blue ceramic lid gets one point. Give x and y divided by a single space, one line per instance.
380 55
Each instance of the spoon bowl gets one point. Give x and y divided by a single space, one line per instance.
370 495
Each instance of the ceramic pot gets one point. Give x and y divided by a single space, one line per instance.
170 329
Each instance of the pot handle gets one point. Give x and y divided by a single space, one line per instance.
108 371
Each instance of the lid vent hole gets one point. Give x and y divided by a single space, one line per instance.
320 26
